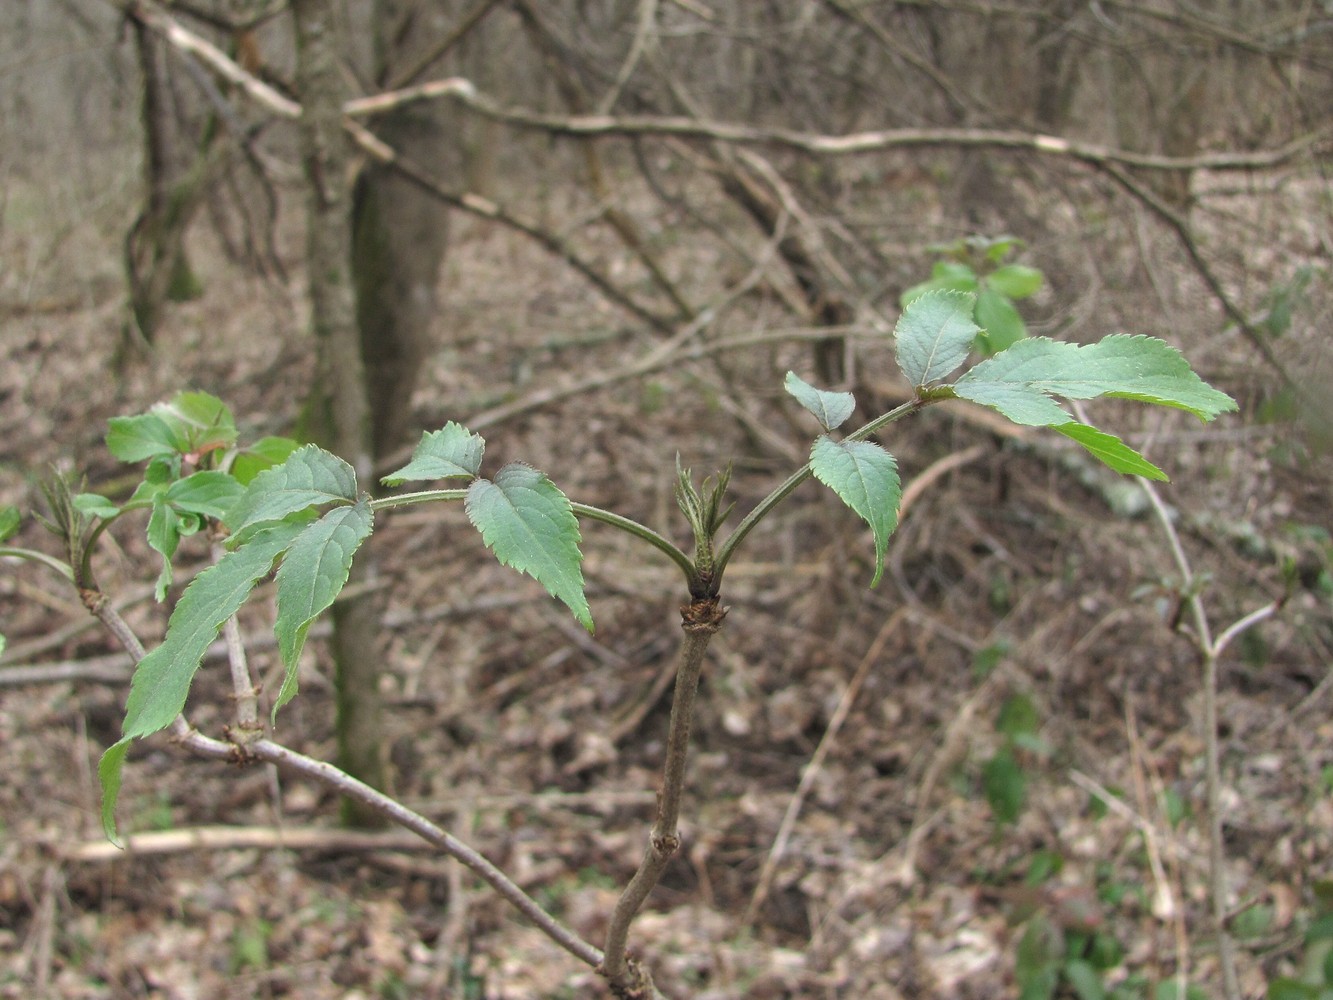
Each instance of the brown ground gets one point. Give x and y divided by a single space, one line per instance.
508 725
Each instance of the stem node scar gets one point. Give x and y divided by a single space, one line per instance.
703 616
666 845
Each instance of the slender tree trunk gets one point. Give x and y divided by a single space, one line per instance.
338 403
156 265
400 232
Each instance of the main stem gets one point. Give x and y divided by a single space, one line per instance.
701 619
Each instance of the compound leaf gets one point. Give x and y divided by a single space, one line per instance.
449 453
831 409
934 334
530 526
865 477
312 574
309 477
162 678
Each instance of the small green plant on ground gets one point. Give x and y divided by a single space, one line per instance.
304 512
1313 979
1004 777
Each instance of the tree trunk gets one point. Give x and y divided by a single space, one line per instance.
156 265
399 231
338 403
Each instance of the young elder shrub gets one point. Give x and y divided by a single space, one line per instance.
301 509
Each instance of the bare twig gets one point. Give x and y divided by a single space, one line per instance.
231 838
1209 652
697 128
247 746
152 16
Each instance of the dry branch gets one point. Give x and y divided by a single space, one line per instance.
872 141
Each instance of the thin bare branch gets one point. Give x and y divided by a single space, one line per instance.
871 141
152 16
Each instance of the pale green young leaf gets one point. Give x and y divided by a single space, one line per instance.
164 536
1017 281
207 493
95 505
1110 450
945 276
310 476
1001 325
831 409
134 439
162 679
109 770
9 522
530 526
312 574
1021 381
200 422
265 453
2 644
450 453
865 478
933 335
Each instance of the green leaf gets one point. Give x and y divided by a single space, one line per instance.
1006 786
530 526
998 248
109 770
1291 989
1002 327
1018 716
134 439
865 477
1017 281
1085 980
201 423
1036 960
163 537
207 493
9 522
1021 381
312 574
945 276
449 453
162 678
263 454
1112 451
309 477
95 505
933 335
831 409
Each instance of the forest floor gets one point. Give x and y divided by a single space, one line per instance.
1025 647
